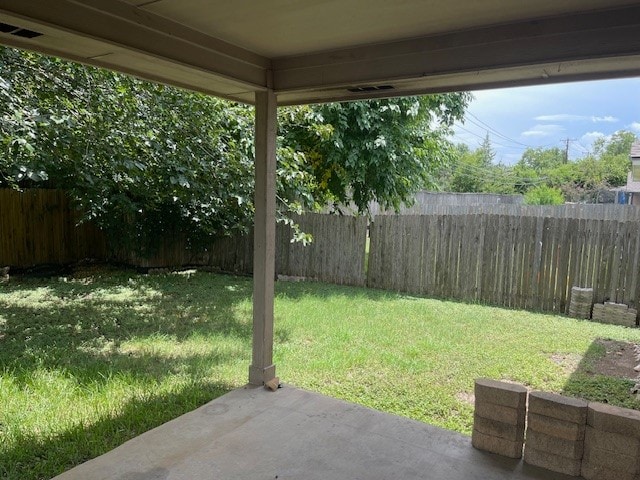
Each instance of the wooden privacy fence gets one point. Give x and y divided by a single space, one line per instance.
524 257
578 210
522 262
336 254
39 227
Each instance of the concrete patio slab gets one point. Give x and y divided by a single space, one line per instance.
252 433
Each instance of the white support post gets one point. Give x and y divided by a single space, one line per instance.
262 369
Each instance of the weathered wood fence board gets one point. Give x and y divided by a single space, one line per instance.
40 227
336 254
523 262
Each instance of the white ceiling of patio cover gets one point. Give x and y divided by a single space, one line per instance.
324 50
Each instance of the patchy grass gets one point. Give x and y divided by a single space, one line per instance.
87 363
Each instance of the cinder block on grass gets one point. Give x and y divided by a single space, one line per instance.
591 471
496 445
500 413
555 432
611 460
499 418
555 427
549 461
514 433
613 442
500 393
558 446
558 406
608 418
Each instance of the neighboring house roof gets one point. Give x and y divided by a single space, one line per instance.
631 186
635 150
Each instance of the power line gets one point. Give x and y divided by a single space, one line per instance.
482 138
496 132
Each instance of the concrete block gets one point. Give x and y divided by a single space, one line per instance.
611 460
597 472
555 428
571 449
514 433
608 418
558 406
552 462
612 442
501 413
496 445
500 393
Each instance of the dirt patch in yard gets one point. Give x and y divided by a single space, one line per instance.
619 360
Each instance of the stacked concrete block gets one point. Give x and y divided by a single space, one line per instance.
612 443
555 432
499 419
581 301
615 313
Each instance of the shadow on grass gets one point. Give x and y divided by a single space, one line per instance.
37 457
303 289
587 381
80 327
141 330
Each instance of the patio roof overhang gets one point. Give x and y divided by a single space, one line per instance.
335 49
281 52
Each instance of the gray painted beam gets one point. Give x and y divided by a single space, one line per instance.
262 369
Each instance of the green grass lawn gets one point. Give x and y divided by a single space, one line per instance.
89 362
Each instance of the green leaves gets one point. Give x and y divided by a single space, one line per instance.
146 161
382 150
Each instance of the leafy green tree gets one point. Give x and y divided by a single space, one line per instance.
475 172
543 195
145 161
384 150
542 159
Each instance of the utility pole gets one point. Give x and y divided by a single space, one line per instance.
566 142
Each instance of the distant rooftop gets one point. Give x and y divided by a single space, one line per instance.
635 150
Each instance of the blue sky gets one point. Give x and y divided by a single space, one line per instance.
544 116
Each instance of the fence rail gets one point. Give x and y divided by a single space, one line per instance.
579 211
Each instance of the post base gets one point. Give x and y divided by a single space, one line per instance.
260 376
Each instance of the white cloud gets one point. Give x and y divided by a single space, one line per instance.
568 117
559 117
586 140
635 126
606 119
543 130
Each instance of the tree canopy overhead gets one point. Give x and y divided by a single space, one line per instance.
143 160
